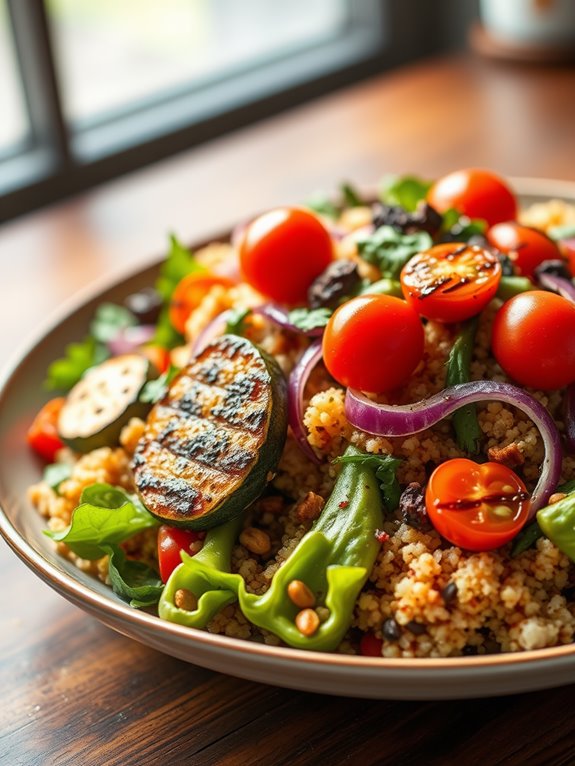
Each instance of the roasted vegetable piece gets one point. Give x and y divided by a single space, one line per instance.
211 442
333 561
103 401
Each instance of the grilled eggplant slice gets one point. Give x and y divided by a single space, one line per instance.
210 444
103 401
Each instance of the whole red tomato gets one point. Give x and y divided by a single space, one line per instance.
283 251
373 343
475 193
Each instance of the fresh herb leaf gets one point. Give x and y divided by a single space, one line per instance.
236 321
106 515
405 191
389 249
154 390
310 319
323 205
460 228
132 581
567 488
109 320
562 232
385 467
465 423
179 263
526 539
56 473
350 195
64 373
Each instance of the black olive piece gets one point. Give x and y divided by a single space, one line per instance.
338 281
507 268
449 593
391 630
556 268
425 218
412 510
145 305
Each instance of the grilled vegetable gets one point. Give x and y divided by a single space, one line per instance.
103 401
212 440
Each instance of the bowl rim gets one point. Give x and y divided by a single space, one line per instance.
79 594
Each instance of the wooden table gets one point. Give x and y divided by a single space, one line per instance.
74 692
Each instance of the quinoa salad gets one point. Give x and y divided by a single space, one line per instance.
351 428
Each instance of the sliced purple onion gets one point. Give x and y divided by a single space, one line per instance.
212 330
296 387
129 339
404 420
569 403
557 284
280 316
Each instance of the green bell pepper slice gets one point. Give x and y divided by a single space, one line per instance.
333 559
557 522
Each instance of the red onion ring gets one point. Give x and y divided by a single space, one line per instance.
556 284
404 420
129 339
569 404
280 317
212 330
296 386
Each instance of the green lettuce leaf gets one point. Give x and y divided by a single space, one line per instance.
109 320
405 191
389 249
106 515
131 580
56 473
64 373
310 319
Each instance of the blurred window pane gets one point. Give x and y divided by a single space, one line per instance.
14 126
117 54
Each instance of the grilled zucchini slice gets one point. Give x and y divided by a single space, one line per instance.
210 444
103 401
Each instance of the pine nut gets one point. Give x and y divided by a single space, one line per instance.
556 497
300 594
307 622
255 541
185 599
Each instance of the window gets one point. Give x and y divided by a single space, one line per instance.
93 88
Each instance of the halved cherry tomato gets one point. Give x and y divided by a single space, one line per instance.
43 433
158 355
373 343
527 248
283 251
477 507
451 282
188 295
533 339
475 193
171 542
370 645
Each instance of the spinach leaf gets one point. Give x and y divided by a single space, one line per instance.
154 390
63 374
460 228
389 249
405 191
310 319
465 423
131 580
350 195
56 473
323 205
106 515
385 467
108 320
236 322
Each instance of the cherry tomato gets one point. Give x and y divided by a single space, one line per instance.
43 433
568 246
478 507
533 339
188 295
158 355
452 282
474 193
373 343
283 251
171 542
370 645
526 247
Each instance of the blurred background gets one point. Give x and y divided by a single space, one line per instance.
91 89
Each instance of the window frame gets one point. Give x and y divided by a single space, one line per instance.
59 161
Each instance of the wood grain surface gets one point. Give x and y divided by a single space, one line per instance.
71 690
